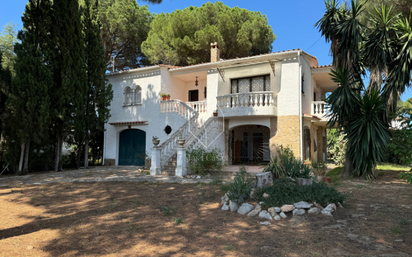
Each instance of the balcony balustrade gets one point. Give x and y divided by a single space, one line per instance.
246 104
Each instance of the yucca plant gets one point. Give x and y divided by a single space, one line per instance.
368 134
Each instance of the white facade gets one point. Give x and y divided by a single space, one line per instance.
267 87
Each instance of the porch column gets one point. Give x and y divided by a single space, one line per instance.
181 169
155 168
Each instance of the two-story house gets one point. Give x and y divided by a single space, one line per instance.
261 102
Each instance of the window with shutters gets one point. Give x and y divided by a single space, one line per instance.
251 84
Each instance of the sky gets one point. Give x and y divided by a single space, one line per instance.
292 21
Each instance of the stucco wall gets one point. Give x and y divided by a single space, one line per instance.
148 111
288 97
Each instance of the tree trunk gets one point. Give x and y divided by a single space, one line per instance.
347 166
79 154
26 158
58 152
86 153
20 171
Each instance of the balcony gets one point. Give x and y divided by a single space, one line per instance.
247 104
320 109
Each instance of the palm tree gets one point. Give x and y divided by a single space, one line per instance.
385 47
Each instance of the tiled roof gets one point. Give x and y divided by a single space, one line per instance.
323 66
128 123
221 61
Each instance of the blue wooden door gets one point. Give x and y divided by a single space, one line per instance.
132 146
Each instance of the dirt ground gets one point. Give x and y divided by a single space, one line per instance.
140 219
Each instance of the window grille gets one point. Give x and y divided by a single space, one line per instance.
251 84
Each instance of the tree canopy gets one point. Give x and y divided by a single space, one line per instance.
124 26
183 37
8 38
403 7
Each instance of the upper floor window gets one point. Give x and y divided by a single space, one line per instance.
132 96
251 84
138 95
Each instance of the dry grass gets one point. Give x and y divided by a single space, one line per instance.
142 219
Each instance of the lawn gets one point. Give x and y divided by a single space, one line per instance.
392 166
163 219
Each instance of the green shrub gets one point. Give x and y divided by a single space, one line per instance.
319 168
336 146
239 190
407 176
285 164
202 161
285 191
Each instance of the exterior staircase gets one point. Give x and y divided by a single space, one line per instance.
195 134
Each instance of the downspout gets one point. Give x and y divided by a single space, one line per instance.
300 108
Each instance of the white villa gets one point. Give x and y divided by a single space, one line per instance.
261 102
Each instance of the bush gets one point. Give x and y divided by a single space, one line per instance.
285 191
319 168
336 146
407 176
285 164
239 190
202 161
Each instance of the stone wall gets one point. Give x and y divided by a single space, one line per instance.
287 134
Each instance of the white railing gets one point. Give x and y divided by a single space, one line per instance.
206 134
252 99
177 106
199 106
320 108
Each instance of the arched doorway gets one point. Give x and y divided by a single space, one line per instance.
132 147
250 144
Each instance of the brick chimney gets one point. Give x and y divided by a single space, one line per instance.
214 52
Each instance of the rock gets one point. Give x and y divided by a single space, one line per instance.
329 209
225 207
265 215
272 211
264 179
255 211
252 192
277 209
244 208
265 223
233 206
314 210
318 205
331 206
208 176
282 214
298 211
287 208
276 217
224 199
198 177
302 205
340 205
265 195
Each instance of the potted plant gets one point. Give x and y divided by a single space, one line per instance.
155 141
167 97
319 169
215 113
164 96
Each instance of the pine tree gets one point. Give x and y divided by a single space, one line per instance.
5 86
68 67
29 100
98 94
